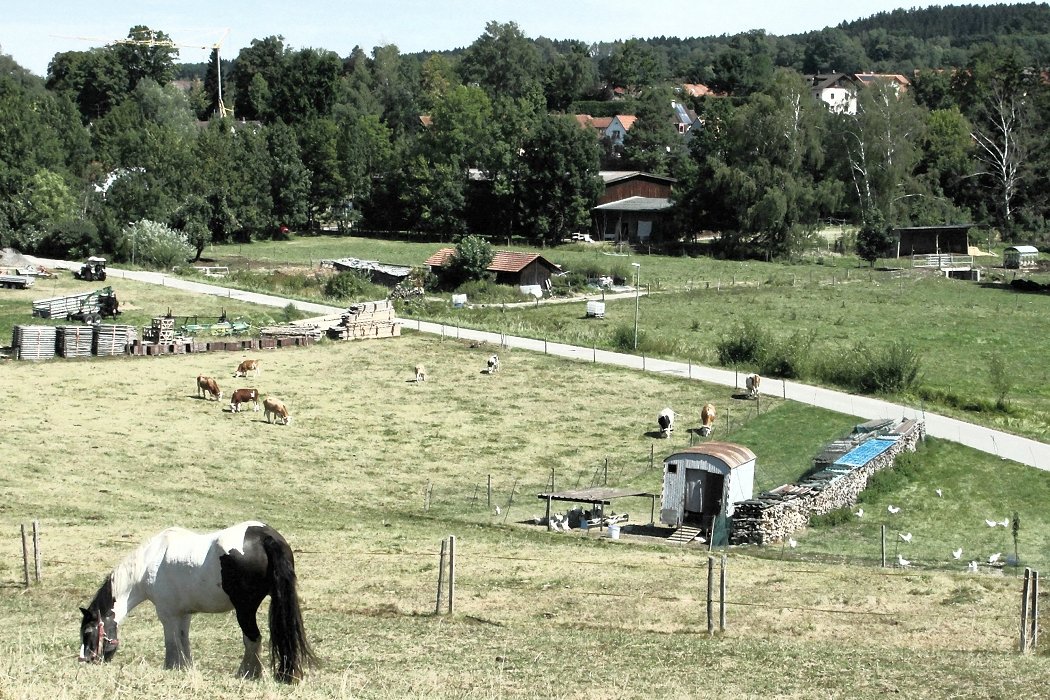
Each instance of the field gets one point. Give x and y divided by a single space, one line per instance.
375 470
959 329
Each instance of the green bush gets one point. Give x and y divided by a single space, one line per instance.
154 244
840 516
787 358
488 292
746 345
891 368
353 286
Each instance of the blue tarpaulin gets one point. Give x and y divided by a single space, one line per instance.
865 452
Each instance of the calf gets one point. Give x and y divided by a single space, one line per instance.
493 364
277 409
666 422
206 386
707 419
421 373
247 366
244 396
753 381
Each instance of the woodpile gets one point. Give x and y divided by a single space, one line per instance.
113 339
293 331
34 342
773 515
370 319
74 341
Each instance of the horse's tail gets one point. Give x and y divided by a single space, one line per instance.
290 652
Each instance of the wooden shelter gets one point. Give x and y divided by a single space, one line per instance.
509 267
921 240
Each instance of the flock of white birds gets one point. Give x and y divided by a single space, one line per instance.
907 537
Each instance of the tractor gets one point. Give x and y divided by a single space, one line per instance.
93 270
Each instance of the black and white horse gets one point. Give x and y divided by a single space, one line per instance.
182 573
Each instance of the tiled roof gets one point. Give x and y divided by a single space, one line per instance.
502 260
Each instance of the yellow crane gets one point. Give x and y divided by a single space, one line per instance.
168 43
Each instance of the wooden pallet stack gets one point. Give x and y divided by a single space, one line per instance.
289 331
74 341
161 331
369 319
113 339
34 342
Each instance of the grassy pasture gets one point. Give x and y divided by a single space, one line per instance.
107 452
956 326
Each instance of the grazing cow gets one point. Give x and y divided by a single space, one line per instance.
493 364
666 422
206 386
247 366
277 409
753 380
707 419
244 396
421 373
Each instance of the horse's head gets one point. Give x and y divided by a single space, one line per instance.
98 636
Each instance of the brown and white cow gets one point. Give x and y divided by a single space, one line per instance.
421 373
206 386
753 381
244 396
277 409
247 366
707 419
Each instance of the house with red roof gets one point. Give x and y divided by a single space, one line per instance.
509 267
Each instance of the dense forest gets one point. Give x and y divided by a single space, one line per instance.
121 147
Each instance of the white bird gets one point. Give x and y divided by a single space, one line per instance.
957 553
792 543
1004 522
904 563
859 513
990 523
994 558
939 493
701 539
893 509
906 537
972 567
497 510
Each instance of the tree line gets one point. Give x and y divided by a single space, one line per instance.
484 141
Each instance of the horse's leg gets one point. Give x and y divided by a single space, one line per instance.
176 641
251 664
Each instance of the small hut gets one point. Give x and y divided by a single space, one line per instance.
1017 256
704 483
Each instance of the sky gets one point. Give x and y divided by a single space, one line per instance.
32 32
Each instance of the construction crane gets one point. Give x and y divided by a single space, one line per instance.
168 43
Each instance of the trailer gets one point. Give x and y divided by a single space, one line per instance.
16 281
88 307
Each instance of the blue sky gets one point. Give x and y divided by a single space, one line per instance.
33 32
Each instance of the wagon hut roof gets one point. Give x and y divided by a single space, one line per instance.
732 454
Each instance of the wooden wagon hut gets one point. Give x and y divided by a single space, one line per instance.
702 484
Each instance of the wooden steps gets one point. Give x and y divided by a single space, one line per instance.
684 535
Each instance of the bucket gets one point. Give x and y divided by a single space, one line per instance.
614 532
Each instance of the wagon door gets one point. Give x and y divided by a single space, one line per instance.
695 483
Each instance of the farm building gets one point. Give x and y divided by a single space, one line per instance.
921 240
380 273
704 483
509 267
1018 256
632 206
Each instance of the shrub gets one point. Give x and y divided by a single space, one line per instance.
745 345
840 516
488 292
154 244
890 368
787 359
353 286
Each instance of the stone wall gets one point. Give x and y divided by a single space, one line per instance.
774 515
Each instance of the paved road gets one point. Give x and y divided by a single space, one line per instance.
1004 445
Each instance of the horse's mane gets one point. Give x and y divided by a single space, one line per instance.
103 600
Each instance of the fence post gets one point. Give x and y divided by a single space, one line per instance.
25 554
490 493
441 578
883 546
451 574
1033 635
722 596
1025 588
37 557
710 589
